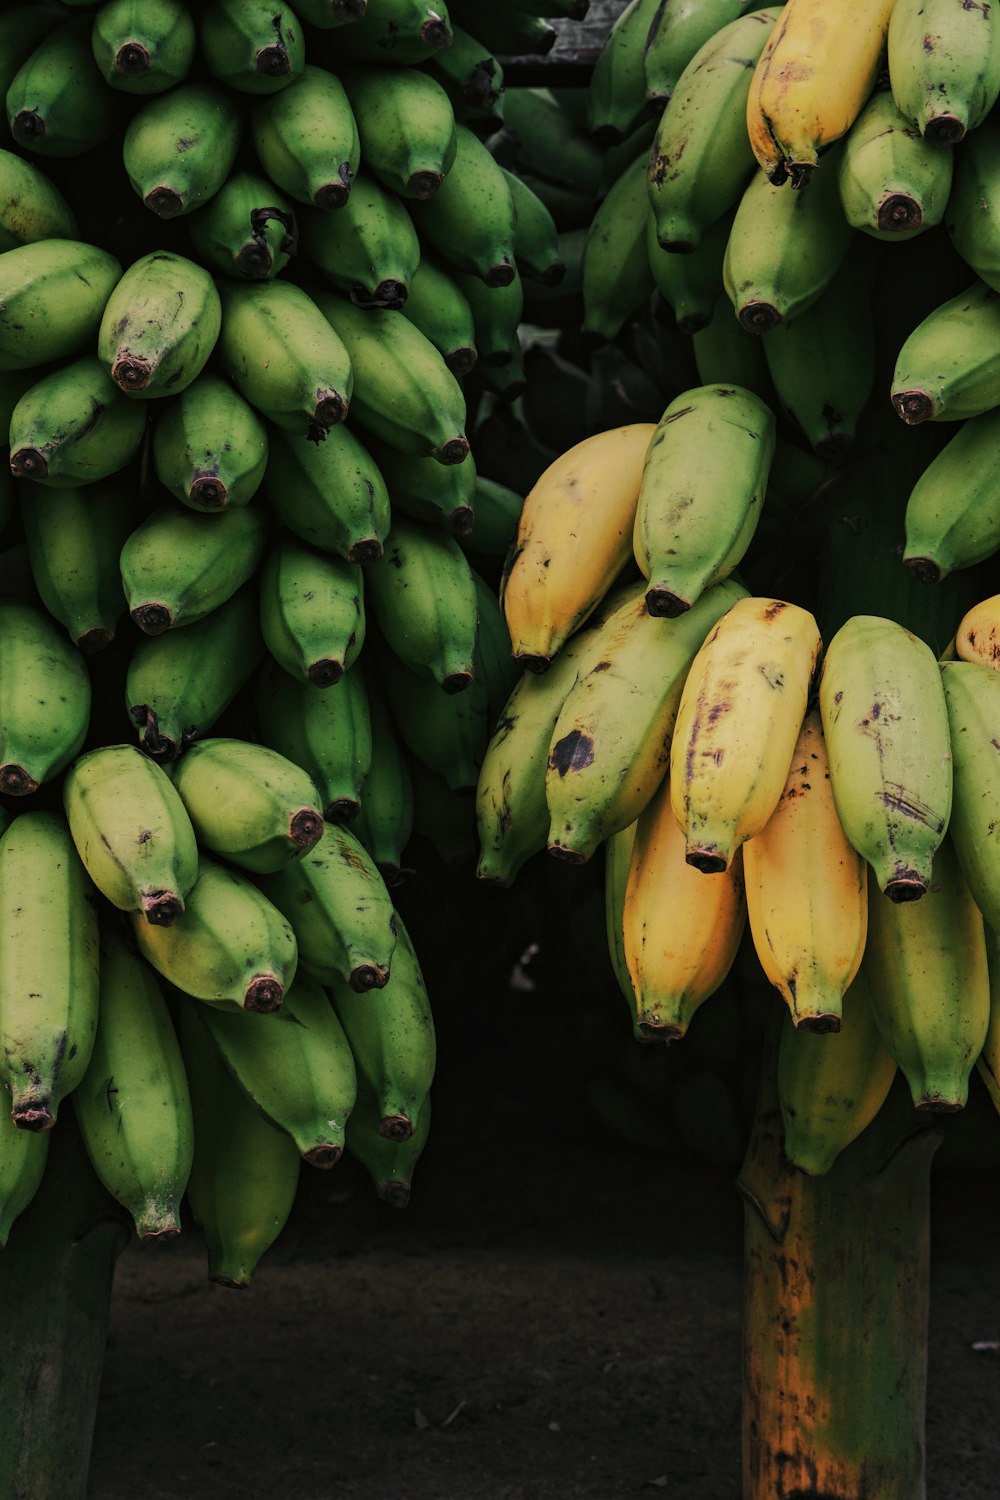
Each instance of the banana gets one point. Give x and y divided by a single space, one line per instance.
31 207
680 930
251 46
423 598
392 1039
330 13
400 32
951 514
132 1105
438 307
978 635
725 352
617 277
295 1066
508 32
928 975
616 93
807 891
407 128
312 611
702 491
248 804
944 66
389 1163
143 46
497 314
677 31
832 1085
179 564
815 74
22 27
970 216
132 831
574 536
48 967
949 367
177 684
283 356
492 661
230 945
23 1155
57 102
327 734
471 77
247 229
807 238
617 860
536 239
886 727
330 495
442 494
701 159
369 250
340 911
689 283
180 146
245 1170
52 296
74 538
210 446
496 510
385 820
611 739
74 426
306 139
893 183
738 721
159 325
404 392
44 699
446 732
470 219
973 702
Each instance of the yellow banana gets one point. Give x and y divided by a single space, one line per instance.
978 635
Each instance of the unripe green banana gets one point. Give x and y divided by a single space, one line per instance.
447 732
493 661
178 564
131 831
368 250
690 282
951 515
543 143
407 128
949 367
295 1066
330 494
470 220
22 27
389 1163
340 910
616 94
424 600
159 325
678 30
210 446
143 46
23 1154
31 207
328 734
74 538
441 494
438 307
173 178
52 296
74 426
724 351
48 967
471 77
385 820
44 699
283 356
506 31
178 683
306 139
250 45
132 1104
496 511
229 946
248 804
312 613
944 66
617 277
972 694
57 102
536 239
971 216
247 229
886 727
893 183
400 32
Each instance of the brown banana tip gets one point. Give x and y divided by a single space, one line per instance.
906 886
132 60
390 294
945 130
326 672
162 908
758 317
532 663
15 781
502 274
231 1283
708 861
94 640
395 1127
325 1156
554 273
255 262
456 682
913 406
435 33
364 977
33 1114
273 61
28 127
569 856
924 569
935 1104
390 872
665 605
328 411
28 463
693 322
164 202
208 491
367 550
424 184
454 451
396 1194
899 213
305 827
130 372
461 361
653 1029
263 994
331 196
152 619
157 1233
822 1024
342 810
462 520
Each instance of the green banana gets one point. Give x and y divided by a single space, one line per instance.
471 77
295 1066
179 564
493 660
340 911
230 946
385 820
972 695
536 239
390 1164
678 30
951 515
330 495
617 862
48 967
328 734
368 250
441 494
406 126
159 325
689 283
248 804
180 147
23 1154
725 351
247 229
74 426
470 219
616 93
306 139
506 30
132 832
496 510
437 306
143 46
617 276
970 216
44 699
22 27
944 66
283 356
52 296
447 732
542 142
57 102
31 207
893 183
312 611
210 446
132 1105
949 367
423 597
250 45
74 538
400 32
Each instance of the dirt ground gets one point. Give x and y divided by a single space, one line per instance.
557 1313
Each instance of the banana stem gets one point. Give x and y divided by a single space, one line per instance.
836 1272
55 1293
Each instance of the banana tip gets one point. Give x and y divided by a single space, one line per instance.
457 682
326 672
395 1127
162 908
899 213
15 781
165 202
462 520
324 1156
263 994
396 1194
365 977
152 619
341 809
823 1024
454 451
913 407
708 861
461 361
652 1029
28 127
273 61
424 184
907 885
435 33
33 1114
306 827
758 317
924 569
665 604
944 130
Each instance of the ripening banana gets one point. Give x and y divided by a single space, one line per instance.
159 325
369 249
132 1105
617 276
210 446
57 103
617 860
31 207
74 537
23 1155
143 46
702 491
949 367
406 127
978 635
972 695
132 831
74 426
944 66
180 564
306 139
574 535
807 891
814 76
402 32
330 494
886 727
52 296
952 518
251 45
739 718
893 183
44 699
48 967
328 734
248 229
180 146
312 611
422 594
